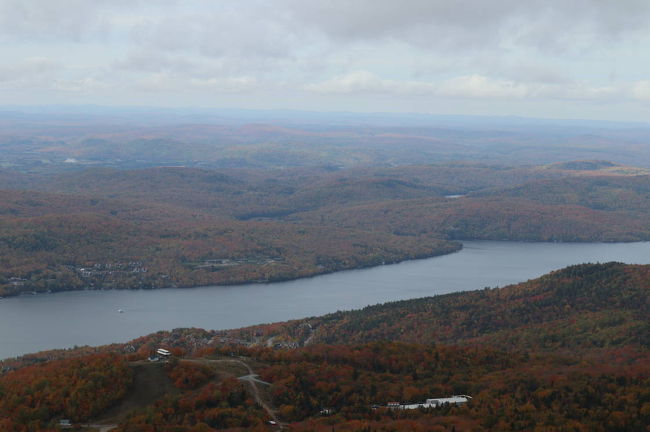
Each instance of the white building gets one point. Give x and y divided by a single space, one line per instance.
452 400
434 403
163 352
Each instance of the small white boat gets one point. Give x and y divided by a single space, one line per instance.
120 310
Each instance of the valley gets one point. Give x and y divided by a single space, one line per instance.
567 350
324 216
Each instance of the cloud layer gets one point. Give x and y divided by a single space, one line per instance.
550 57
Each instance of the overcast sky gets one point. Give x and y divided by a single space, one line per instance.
549 58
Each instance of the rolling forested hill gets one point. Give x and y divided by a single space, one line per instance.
57 242
578 309
176 226
42 140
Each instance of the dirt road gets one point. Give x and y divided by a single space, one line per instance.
253 381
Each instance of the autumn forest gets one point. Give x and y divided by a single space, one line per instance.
102 203
565 352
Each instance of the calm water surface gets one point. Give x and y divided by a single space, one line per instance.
34 323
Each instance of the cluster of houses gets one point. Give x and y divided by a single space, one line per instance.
433 403
16 281
100 269
285 345
231 262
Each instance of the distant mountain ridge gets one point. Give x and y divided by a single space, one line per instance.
51 139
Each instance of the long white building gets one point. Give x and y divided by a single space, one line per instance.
434 403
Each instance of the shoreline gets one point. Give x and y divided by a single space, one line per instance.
32 293
92 317
460 243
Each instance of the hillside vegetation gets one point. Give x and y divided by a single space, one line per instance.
565 352
59 242
161 227
581 308
33 399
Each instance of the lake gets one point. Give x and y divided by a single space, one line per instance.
62 320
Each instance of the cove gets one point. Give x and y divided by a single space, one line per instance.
34 323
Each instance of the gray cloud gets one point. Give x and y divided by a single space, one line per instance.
338 51
480 87
221 30
76 20
414 21
154 61
443 24
27 70
224 40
